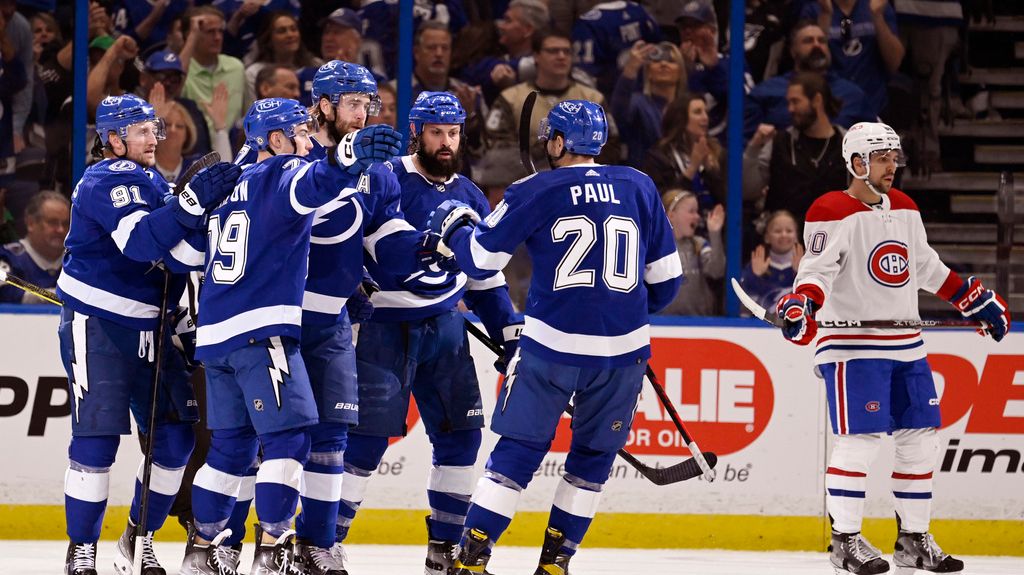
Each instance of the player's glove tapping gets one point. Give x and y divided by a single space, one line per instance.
511 335
358 150
449 217
206 191
976 302
359 306
184 336
434 256
797 313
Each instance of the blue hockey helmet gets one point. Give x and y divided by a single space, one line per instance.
336 78
116 113
582 124
436 108
270 114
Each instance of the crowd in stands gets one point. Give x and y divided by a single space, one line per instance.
660 68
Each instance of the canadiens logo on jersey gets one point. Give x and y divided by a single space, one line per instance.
889 264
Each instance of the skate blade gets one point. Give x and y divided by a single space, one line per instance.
122 565
901 570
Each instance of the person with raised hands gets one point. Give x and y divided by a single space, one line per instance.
257 386
123 219
867 256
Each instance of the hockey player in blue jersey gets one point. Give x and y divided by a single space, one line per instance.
416 342
123 219
603 259
258 389
370 221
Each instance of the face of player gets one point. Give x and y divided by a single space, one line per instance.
433 54
388 110
555 57
684 218
810 50
781 234
439 149
46 232
800 108
140 142
300 144
284 36
697 119
883 168
350 113
340 43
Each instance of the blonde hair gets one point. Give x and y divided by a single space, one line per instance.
677 57
671 198
191 134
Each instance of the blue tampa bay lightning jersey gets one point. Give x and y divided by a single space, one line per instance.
602 36
120 227
370 219
19 259
258 241
406 297
603 259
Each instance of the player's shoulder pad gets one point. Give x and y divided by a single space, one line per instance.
834 206
901 201
13 248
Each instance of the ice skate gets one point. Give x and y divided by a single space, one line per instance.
916 551
211 558
81 559
473 557
440 554
313 560
551 561
123 561
275 558
853 555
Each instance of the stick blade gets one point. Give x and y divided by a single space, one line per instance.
525 119
200 164
679 472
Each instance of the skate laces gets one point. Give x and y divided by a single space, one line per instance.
325 559
148 556
338 552
225 558
862 550
84 556
927 545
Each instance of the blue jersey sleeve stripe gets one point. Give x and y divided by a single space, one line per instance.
406 299
298 207
124 229
387 228
587 345
188 255
247 321
497 280
485 259
663 269
102 299
318 302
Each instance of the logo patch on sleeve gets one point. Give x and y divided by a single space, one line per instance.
889 264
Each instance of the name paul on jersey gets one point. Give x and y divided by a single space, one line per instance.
593 193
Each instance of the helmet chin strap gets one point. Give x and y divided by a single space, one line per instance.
866 178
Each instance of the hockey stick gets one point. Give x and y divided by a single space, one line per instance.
773 319
705 460
525 117
200 164
657 475
29 287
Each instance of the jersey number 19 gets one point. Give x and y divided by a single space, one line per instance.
228 242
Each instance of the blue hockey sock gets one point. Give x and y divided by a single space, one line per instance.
451 482
579 493
172 446
321 485
86 484
218 483
243 503
362 457
279 477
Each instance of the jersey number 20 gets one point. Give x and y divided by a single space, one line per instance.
231 241
620 267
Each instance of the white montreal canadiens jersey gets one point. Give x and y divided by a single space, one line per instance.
868 263
603 259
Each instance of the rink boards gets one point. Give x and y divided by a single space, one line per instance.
744 392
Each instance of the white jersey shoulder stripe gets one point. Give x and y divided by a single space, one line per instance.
125 227
663 269
486 259
387 228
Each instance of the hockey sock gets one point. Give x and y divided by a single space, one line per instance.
172 446
362 457
451 482
217 483
916 453
279 477
243 503
321 484
509 471
86 484
847 477
578 494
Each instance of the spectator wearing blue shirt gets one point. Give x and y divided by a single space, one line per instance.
865 44
516 29
148 21
244 19
36 258
773 265
640 103
808 45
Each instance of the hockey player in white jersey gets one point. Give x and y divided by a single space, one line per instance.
123 219
603 259
258 391
867 257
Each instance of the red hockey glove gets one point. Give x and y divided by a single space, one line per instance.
797 313
975 301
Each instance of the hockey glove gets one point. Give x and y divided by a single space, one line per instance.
976 302
205 191
359 306
797 313
511 345
358 150
184 336
434 256
450 216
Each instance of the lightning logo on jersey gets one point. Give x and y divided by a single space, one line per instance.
278 367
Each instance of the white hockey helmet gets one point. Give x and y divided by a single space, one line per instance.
866 137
